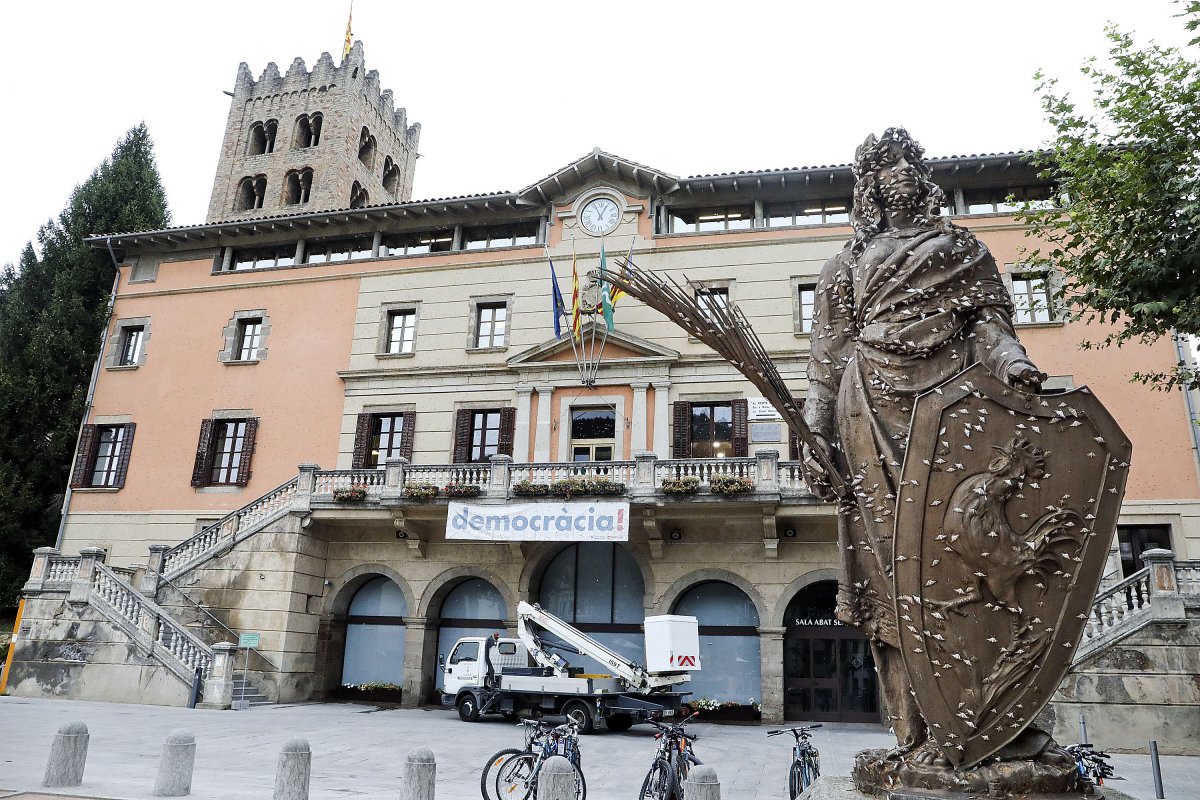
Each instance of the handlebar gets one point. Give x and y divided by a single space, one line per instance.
797 731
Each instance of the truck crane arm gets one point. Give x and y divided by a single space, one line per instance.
630 673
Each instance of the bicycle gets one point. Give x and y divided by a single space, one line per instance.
673 759
806 759
517 775
1092 764
535 731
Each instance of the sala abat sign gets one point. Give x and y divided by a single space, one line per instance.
539 522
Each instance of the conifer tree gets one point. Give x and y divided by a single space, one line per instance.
53 309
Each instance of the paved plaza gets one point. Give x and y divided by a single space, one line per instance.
358 752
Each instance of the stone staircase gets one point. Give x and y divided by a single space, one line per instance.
246 694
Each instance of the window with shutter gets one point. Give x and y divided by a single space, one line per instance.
202 468
406 437
84 458
508 424
123 461
362 441
462 435
681 436
741 428
248 446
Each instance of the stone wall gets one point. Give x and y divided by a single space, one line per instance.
1147 686
66 649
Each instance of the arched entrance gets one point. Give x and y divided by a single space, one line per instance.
375 634
472 608
730 657
598 588
828 671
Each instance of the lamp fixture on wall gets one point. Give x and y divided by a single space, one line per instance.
676 534
789 533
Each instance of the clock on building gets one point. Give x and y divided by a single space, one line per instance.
600 216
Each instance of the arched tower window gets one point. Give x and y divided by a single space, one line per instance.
297 184
308 131
250 193
358 196
391 176
366 149
262 137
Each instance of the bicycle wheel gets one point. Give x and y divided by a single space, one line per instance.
487 780
795 780
660 781
515 779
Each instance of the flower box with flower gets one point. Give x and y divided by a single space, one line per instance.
461 490
685 485
353 494
729 484
420 491
569 487
373 692
726 710
528 488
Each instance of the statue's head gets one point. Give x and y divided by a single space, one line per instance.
890 172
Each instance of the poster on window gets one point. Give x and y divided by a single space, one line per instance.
539 522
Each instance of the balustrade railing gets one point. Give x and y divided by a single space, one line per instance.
330 480
119 596
1187 575
703 468
549 472
62 569
1114 607
791 478
226 529
441 475
185 648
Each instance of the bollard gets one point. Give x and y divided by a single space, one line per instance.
68 754
175 768
1156 770
702 784
420 768
557 780
1083 729
295 764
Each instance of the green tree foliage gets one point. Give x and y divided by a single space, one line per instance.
52 312
1129 241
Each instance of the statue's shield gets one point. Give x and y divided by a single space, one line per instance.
1004 518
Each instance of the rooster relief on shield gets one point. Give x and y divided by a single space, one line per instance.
1009 570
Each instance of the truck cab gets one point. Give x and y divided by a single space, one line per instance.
471 657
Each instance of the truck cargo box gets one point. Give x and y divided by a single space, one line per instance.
672 644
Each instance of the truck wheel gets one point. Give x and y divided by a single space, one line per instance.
620 722
581 714
468 708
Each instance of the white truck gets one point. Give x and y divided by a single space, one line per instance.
494 675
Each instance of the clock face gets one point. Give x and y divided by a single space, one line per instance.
600 216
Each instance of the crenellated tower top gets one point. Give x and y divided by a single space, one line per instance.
312 141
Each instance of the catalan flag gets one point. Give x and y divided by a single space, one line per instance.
349 20
576 300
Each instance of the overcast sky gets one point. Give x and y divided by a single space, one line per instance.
507 92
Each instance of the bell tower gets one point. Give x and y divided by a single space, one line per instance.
312 141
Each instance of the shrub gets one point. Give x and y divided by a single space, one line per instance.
354 494
420 491
530 489
730 484
689 485
462 490
584 486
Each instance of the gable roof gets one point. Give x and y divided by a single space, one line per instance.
596 164
639 348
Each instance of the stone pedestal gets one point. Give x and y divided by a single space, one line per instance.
68 755
839 788
175 768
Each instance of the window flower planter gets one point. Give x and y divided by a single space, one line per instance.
727 712
420 492
569 487
530 489
681 485
730 484
355 494
462 490
369 693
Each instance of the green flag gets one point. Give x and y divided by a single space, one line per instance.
606 307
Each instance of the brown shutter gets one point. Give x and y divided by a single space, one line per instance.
508 425
123 461
407 434
85 458
741 428
362 442
462 435
202 468
247 451
681 437
793 446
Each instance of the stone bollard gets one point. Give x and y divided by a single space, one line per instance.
557 780
68 754
420 769
175 768
702 784
295 765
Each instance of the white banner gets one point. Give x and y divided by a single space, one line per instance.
539 522
761 408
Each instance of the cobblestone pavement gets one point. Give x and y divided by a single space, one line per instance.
358 751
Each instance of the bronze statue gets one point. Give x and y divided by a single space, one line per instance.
974 511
